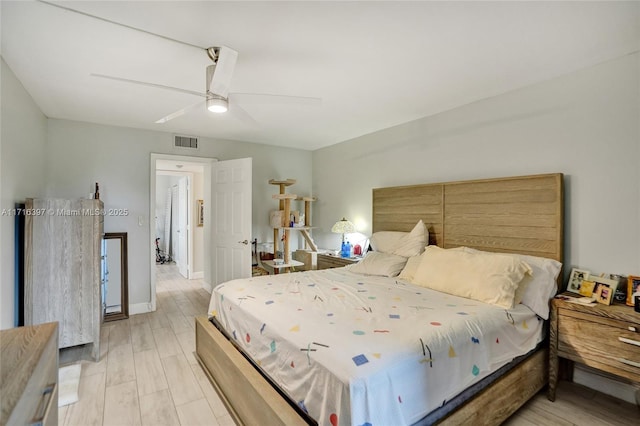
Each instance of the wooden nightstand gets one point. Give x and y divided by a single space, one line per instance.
603 337
327 261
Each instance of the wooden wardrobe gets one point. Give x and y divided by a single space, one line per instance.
62 268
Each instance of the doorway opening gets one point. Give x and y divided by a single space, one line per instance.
178 188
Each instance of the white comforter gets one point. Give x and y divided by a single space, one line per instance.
363 350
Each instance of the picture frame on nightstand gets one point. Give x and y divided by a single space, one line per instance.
603 293
587 287
603 289
575 280
633 285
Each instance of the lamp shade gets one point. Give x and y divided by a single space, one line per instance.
343 227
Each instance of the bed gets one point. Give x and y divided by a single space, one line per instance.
514 215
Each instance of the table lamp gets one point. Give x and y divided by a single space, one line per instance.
343 227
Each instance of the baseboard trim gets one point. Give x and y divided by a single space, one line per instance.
605 384
207 287
197 275
140 308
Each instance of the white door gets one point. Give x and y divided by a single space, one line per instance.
175 250
167 224
183 229
231 220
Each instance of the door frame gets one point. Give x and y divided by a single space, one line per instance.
206 162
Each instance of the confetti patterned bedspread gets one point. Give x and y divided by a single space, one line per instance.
363 350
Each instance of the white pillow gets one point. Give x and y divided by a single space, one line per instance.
543 283
409 271
540 286
406 244
376 263
489 278
382 241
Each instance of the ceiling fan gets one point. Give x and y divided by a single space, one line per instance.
217 95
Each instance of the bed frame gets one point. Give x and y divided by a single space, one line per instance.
518 215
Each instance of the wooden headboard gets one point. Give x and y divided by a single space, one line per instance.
517 214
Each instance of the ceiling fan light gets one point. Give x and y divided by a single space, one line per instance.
217 105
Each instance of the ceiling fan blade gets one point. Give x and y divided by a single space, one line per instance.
144 83
242 115
266 98
225 64
180 112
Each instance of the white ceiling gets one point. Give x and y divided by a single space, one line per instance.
374 64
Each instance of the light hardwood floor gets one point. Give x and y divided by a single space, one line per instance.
575 405
147 374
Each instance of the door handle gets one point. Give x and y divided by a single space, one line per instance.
245 242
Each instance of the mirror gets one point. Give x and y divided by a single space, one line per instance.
115 290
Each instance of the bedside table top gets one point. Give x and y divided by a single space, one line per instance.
335 256
327 261
617 311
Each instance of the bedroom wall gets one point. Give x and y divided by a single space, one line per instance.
198 231
119 158
585 125
23 137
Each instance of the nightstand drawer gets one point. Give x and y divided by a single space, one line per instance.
603 343
326 261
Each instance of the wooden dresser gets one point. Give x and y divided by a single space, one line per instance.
327 261
29 375
603 337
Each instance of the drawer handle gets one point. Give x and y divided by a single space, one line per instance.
44 405
631 363
629 341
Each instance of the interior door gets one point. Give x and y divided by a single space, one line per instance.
231 220
167 224
183 235
175 254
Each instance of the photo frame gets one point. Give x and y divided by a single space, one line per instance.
575 280
633 285
603 292
586 288
200 212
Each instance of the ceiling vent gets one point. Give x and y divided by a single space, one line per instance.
185 142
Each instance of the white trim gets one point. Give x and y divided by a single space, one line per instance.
197 275
592 379
207 287
140 308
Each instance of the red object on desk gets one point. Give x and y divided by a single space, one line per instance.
357 250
